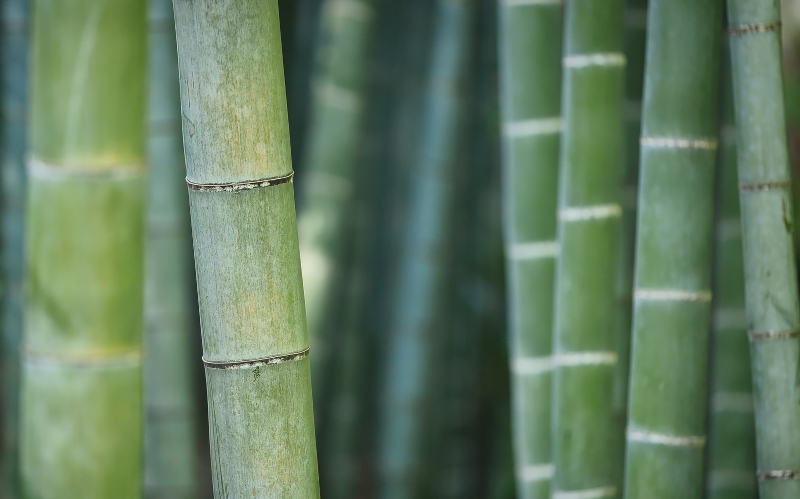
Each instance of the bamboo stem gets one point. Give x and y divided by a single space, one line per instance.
672 296
773 314
81 401
252 312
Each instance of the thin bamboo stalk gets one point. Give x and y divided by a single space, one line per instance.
585 433
252 312
414 330
731 436
171 468
81 401
773 314
672 296
14 129
530 79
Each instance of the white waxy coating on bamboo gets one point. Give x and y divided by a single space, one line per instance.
732 402
671 295
575 359
649 437
678 143
536 472
533 250
579 61
596 493
538 126
583 213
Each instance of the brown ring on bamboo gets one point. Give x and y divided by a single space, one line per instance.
778 475
765 186
265 361
773 335
235 187
746 29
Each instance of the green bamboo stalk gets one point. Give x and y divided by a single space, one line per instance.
731 436
530 80
14 129
586 437
331 173
81 407
773 315
672 296
250 290
170 433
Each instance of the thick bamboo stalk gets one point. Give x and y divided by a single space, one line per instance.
585 434
329 181
731 436
252 312
773 315
672 295
81 402
170 426
530 82
14 129
415 328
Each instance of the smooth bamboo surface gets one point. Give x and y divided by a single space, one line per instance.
81 433
252 311
773 314
672 295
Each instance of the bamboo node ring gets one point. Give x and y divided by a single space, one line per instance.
778 475
773 335
678 143
746 29
597 493
265 361
661 439
236 187
765 186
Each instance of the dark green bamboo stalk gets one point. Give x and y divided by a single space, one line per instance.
252 312
731 443
14 130
773 314
530 64
81 402
672 297
585 434
170 433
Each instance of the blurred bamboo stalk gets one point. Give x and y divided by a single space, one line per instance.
415 326
731 442
81 402
14 130
171 468
773 314
585 432
238 161
672 297
530 79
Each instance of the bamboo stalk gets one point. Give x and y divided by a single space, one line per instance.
255 344
731 443
81 390
585 433
773 315
414 330
530 78
14 129
672 309
171 468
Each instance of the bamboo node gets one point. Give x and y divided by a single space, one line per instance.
39 169
578 61
98 360
573 359
536 472
678 143
662 439
583 213
530 366
236 187
778 475
773 335
597 493
765 186
671 295
537 126
256 363
746 29
533 250
520 3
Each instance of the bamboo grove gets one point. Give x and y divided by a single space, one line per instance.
540 249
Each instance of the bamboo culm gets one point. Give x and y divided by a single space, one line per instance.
773 314
171 468
672 295
81 406
530 72
586 436
247 262
730 469
14 129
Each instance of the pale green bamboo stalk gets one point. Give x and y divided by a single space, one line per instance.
170 427
81 433
730 470
672 295
586 436
530 81
250 290
773 314
14 130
